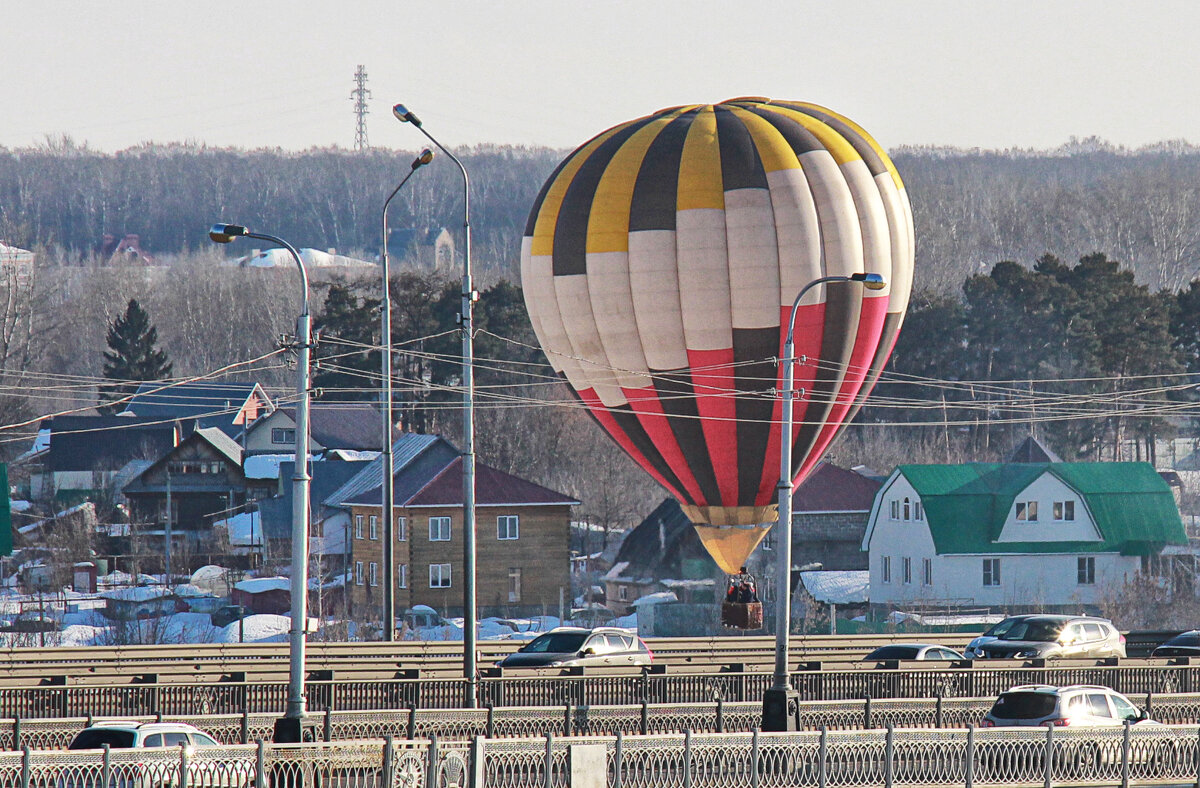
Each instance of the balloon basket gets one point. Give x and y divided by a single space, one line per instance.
742 615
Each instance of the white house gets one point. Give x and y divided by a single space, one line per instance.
1016 535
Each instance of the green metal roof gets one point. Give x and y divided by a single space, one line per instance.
966 505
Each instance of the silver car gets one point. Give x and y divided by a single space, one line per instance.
1078 704
919 651
577 646
1056 637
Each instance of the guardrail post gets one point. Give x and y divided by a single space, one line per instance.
491 721
1149 704
1125 756
16 733
106 766
687 758
867 714
328 725
1048 758
183 765
245 726
823 759
24 767
720 715
260 765
645 728
969 770
618 764
889 752
1198 759
755 772
478 775
567 721
431 772
412 722
548 782
389 761
938 719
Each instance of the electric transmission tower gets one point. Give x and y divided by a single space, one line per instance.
359 96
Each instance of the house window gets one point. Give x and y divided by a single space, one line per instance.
768 542
622 593
514 584
927 571
358 573
991 571
402 576
507 527
906 568
439 575
401 529
283 436
895 510
1085 569
918 512
907 510
358 526
374 573
885 569
1027 511
439 529
1064 511
374 528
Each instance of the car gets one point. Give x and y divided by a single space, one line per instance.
227 614
1056 637
1075 705
921 651
579 646
992 632
1185 644
131 734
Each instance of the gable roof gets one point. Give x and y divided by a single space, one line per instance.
441 484
86 443
1033 450
657 546
338 426
832 489
407 447
211 403
966 505
213 436
276 513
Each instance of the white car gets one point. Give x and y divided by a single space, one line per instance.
167 737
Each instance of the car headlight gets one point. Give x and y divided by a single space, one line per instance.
1031 652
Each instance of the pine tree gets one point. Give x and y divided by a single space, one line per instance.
132 356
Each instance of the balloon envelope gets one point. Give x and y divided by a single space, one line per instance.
659 265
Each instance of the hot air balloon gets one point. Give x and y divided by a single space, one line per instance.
659 265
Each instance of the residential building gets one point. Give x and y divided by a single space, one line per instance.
1036 536
341 427
202 479
830 509
227 406
522 535
86 453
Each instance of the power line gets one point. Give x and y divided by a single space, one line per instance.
359 96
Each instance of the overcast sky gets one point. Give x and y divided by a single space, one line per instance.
269 73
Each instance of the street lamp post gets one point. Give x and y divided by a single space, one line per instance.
289 727
387 503
466 318
781 704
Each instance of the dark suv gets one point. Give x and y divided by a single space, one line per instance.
1056 637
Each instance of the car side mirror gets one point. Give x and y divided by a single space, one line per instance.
587 652
1141 716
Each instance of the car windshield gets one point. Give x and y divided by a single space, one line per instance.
95 738
1023 705
1034 629
1000 627
556 643
1186 639
893 652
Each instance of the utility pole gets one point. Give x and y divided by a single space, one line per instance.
359 96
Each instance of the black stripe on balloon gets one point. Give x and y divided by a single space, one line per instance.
754 350
801 139
628 422
741 167
656 190
677 397
871 156
891 327
531 222
843 309
570 232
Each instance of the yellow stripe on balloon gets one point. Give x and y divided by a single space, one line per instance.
700 182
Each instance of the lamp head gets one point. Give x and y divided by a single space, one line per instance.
403 115
225 233
423 159
870 281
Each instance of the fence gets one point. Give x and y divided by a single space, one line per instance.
1129 755
813 681
526 721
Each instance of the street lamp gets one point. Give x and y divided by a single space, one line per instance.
781 703
288 728
389 519
466 319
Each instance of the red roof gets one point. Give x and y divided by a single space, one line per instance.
492 488
832 489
